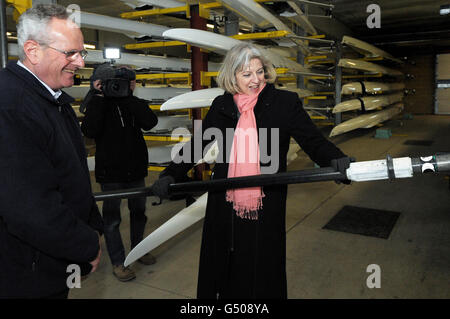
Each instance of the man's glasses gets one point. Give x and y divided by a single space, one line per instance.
73 54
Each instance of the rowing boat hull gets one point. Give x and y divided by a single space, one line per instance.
193 99
254 13
367 87
367 49
118 25
181 221
159 3
370 102
300 92
150 62
301 19
222 44
205 97
368 67
203 39
140 61
167 124
258 15
146 93
367 120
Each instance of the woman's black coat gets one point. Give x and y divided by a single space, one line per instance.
242 258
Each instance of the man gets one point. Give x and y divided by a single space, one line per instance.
48 217
115 119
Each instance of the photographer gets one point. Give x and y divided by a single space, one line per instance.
115 119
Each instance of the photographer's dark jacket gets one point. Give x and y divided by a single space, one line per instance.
115 124
47 211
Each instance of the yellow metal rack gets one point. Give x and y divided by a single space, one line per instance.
150 45
248 36
20 6
203 10
146 13
167 78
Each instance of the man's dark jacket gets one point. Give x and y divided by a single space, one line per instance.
48 215
116 125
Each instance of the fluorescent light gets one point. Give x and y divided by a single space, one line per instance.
445 9
89 46
209 25
111 53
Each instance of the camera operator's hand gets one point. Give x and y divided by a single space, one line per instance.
97 84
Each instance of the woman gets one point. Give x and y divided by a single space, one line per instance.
243 250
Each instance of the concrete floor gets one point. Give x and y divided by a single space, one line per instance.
414 260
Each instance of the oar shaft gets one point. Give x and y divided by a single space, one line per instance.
359 171
294 177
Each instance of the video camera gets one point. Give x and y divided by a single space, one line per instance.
115 81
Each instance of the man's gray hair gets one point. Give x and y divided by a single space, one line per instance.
236 59
34 22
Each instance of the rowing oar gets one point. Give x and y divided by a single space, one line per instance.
358 171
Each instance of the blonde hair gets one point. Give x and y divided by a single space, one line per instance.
236 60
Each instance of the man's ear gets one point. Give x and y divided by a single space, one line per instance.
32 51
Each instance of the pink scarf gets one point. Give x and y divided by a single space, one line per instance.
244 158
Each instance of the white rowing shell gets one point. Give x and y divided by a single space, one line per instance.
300 92
167 124
204 39
118 25
302 19
367 49
367 120
140 61
368 67
158 3
151 62
255 13
146 93
370 87
222 44
370 102
193 99
184 219
205 97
